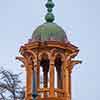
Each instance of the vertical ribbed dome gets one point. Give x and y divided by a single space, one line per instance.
49 31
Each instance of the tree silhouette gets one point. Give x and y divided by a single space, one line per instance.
10 86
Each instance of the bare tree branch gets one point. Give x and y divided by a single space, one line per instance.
10 83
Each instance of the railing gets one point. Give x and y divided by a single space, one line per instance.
45 92
59 92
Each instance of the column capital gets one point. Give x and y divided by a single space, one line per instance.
52 62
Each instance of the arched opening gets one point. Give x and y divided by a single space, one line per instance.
51 75
59 72
44 65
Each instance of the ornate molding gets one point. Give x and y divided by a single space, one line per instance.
69 63
23 60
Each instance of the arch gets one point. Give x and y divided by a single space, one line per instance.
54 53
61 54
42 53
59 59
44 58
30 56
31 53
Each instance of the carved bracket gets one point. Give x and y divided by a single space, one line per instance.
69 63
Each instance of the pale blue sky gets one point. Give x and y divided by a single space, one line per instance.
18 19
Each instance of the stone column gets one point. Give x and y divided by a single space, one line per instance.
63 78
51 77
29 76
37 65
38 74
59 78
45 74
67 79
70 85
67 84
45 79
59 81
28 67
28 95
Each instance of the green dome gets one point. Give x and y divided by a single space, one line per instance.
49 31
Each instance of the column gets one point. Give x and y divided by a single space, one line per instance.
59 78
51 77
38 74
67 84
63 78
70 85
45 74
37 67
28 95
59 81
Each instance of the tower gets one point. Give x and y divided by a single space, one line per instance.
49 50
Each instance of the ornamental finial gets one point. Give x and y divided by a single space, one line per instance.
49 16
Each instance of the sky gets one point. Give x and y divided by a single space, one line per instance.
81 21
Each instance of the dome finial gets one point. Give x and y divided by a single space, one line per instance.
49 16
